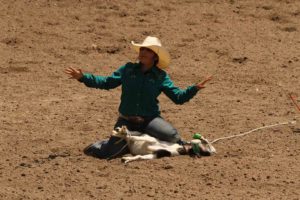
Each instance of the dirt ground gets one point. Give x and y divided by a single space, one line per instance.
251 47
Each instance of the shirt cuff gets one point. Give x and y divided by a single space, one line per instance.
195 88
82 78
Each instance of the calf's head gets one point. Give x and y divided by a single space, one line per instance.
121 132
198 148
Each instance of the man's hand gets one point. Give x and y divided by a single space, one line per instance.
201 85
74 73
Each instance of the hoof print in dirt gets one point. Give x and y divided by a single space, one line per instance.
275 18
168 166
267 7
110 50
146 33
25 165
94 47
55 155
240 60
11 41
296 130
289 29
6 70
123 14
296 13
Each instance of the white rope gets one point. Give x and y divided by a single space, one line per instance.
256 129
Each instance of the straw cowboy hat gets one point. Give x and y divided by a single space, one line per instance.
155 45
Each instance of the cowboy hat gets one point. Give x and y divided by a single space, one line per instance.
155 45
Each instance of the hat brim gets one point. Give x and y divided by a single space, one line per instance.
163 54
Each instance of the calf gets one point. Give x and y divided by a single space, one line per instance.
145 147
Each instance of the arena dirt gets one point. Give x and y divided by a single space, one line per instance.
251 47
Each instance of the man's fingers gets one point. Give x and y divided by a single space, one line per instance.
71 68
68 72
203 82
206 80
74 73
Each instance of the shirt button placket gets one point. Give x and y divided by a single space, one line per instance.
138 103
139 97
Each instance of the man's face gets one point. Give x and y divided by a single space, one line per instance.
146 56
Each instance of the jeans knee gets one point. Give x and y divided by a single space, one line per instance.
162 130
173 136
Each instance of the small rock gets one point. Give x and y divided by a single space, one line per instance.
94 46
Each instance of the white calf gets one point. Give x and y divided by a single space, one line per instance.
145 147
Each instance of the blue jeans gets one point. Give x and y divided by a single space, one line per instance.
156 127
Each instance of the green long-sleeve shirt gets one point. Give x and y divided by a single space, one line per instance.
140 90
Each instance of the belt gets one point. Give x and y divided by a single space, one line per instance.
133 119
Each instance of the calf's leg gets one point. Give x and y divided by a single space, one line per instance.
127 159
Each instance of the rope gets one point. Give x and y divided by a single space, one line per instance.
256 129
294 101
116 154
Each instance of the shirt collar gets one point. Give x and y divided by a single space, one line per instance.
154 70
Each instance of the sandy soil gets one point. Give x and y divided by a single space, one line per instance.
251 47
